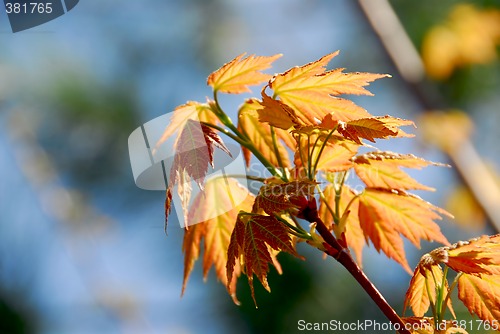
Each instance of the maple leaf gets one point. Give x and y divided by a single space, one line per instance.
184 190
336 155
395 123
367 128
260 135
349 219
252 237
382 170
476 256
196 111
385 214
276 198
481 296
235 76
312 92
417 296
276 113
194 152
212 219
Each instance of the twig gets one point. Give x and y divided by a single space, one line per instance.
342 255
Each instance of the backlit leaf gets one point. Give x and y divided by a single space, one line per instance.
276 113
336 155
194 151
251 239
476 256
260 135
481 296
196 111
417 297
385 214
235 76
276 198
212 218
312 92
367 128
382 170
184 190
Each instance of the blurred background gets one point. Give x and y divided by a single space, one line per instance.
82 249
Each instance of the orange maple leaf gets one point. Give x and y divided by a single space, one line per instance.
476 256
235 76
276 198
194 152
385 214
313 92
335 155
425 278
480 294
260 135
196 111
252 237
382 170
367 128
212 218
276 113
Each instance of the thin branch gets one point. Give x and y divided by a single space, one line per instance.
342 255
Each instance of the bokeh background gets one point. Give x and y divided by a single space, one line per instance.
82 249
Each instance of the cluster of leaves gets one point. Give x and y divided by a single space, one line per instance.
477 264
309 139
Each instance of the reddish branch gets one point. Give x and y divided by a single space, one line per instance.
342 255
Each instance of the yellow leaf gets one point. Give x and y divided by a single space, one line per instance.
382 170
385 214
336 155
216 209
416 296
395 123
260 135
476 256
312 92
196 111
235 77
276 113
481 296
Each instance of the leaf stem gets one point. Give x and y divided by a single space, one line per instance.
431 302
277 152
448 295
322 148
338 193
294 230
